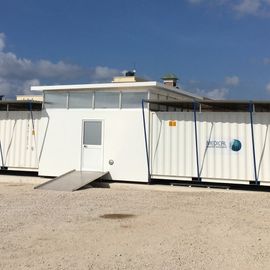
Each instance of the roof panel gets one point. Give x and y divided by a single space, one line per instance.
20 105
218 105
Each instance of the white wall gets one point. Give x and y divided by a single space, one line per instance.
123 142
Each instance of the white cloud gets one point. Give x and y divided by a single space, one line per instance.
13 67
16 87
240 7
251 7
100 73
232 80
2 41
195 1
18 74
27 85
217 93
268 87
193 81
266 60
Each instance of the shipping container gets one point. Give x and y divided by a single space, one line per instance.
231 146
19 132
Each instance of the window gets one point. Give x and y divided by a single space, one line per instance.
154 107
80 100
133 99
107 100
162 107
92 133
55 100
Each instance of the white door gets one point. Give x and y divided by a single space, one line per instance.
92 145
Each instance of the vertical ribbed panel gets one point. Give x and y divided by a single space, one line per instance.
173 150
19 144
262 138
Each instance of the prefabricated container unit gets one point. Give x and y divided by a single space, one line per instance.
99 127
211 141
19 128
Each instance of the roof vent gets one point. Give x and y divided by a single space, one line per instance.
170 79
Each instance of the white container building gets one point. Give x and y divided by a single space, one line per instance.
172 135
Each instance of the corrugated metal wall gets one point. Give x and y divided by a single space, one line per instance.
18 141
220 135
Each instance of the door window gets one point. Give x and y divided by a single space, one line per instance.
92 132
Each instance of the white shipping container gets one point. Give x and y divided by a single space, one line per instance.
18 137
225 151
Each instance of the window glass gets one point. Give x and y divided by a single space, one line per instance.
163 107
154 107
92 132
56 100
106 100
132 100
80 100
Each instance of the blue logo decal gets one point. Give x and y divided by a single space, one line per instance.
236 145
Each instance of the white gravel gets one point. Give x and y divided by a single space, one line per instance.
198 229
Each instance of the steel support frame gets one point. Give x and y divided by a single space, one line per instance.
251 110
195 106
146 142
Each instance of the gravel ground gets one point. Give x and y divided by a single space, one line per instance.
133 228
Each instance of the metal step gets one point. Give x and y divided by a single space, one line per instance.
71 181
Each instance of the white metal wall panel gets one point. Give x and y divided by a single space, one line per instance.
18 141
262 139
173 149
61 142
169 155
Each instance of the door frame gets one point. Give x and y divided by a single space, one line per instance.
102 139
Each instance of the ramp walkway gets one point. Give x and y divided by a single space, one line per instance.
71 181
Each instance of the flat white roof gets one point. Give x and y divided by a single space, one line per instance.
108 86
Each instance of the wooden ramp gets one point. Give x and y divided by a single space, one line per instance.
71 181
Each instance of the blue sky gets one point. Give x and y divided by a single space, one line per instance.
218 48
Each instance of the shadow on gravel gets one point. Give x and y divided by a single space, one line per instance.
96 184
117 216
